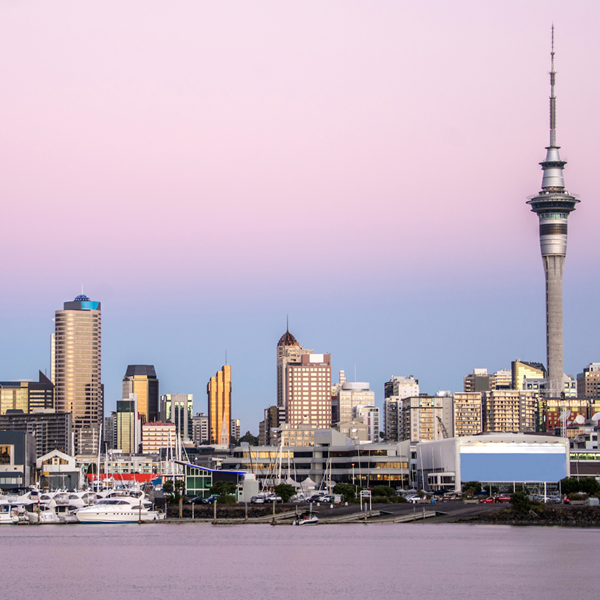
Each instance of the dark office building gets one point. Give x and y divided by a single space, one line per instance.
51 430
17 459
27 395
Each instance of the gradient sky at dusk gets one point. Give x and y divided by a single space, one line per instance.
205 168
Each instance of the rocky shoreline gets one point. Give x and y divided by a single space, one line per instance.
564 516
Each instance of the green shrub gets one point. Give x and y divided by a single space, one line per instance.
226 499
383 490
223 488
520 502
379 500
285 491
347 490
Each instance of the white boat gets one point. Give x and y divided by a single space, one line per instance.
306 519
120 508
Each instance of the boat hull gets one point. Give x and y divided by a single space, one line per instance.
125 516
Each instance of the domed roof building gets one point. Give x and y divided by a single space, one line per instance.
287 339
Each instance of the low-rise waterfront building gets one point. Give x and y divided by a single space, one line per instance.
17 459
492 458
333 457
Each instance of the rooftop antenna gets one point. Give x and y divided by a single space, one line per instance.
287 326
552 96
225 356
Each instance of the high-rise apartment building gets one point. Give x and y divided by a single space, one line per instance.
522 370
369 415
288 351
129 425
142 380
235 429
509 411
156 436
401 387
308 391
468 413
178 409
200 434
351 395
427 418
552 205
588 382
396 390
77 369
27 396
481 381
219 406
274 416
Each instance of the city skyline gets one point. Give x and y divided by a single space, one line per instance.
392 150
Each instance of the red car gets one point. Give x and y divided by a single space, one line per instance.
502 499
486 501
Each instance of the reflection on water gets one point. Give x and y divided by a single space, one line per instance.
114 562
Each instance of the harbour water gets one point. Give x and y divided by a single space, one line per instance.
113 562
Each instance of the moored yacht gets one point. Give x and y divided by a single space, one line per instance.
120 507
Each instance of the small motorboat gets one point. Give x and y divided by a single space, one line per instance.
306 518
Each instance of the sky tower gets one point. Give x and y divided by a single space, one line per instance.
553 205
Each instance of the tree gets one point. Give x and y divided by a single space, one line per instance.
569 485
520 502
286 491
223 488
472 487
589 486
250 439
168 487
345 489
383 490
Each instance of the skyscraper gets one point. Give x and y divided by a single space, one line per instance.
288 351
77 369
553 205
141 380
178 409
219 406
129 426
309 391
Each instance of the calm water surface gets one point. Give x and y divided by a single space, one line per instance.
111 562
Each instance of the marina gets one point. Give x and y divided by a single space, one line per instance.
411 560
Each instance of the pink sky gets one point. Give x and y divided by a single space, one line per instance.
249 152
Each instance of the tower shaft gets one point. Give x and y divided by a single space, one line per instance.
553 267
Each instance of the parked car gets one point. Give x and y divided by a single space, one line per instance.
327 499
274 498
257 500
502 498
210 499
486 501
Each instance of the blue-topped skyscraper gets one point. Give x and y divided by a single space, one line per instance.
553 205
76 370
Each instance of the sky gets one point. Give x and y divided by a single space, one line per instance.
205 169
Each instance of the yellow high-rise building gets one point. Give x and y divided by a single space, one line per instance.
141 380
219 406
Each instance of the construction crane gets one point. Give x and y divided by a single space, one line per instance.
444 430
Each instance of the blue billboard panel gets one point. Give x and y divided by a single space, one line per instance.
513 466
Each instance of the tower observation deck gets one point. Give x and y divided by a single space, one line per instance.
553 205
